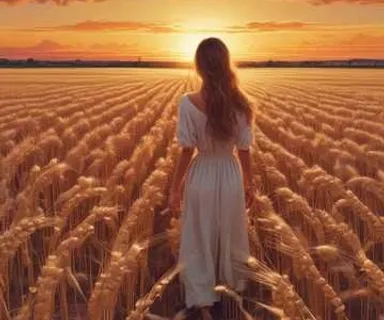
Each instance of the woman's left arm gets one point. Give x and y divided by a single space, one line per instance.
180 170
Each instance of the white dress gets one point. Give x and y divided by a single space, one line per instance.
213 222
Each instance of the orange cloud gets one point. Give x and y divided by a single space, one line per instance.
357 2
168 28
321 47
51 50
268 26
91 26
152 27
359 45
58 2
31 51
365 40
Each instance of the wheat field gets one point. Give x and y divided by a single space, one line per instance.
86 163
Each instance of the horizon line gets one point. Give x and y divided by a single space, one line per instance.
138 60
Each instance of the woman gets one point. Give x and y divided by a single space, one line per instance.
214 236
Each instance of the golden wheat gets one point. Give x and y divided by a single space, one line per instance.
85 170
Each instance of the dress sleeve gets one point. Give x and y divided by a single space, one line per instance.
244 135
185 129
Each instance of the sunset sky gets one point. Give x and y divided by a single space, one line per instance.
171 29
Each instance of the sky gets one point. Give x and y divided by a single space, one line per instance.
170 30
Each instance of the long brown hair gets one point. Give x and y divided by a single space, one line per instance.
220 89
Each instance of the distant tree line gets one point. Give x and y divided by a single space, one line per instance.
32 63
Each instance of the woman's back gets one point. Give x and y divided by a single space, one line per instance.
214 120
193 132
214 235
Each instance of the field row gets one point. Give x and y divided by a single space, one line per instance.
85 176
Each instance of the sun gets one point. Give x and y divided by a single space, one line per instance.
193 32
188 44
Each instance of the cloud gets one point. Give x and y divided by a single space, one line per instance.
356 2
268 26
94 26
153 27
108 46
43 46
51 50
48 45
364 40
98 26
314 2
57 2
321 46
360 45
299 26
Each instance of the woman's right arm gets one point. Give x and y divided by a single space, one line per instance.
243 143
246 165
249 186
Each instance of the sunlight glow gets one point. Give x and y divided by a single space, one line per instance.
188 44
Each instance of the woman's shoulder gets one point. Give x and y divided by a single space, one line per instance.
190 96
183 100
240 115
193 94
242 119
194 100
186 96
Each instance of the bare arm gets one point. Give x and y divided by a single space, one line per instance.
246 165
181 167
